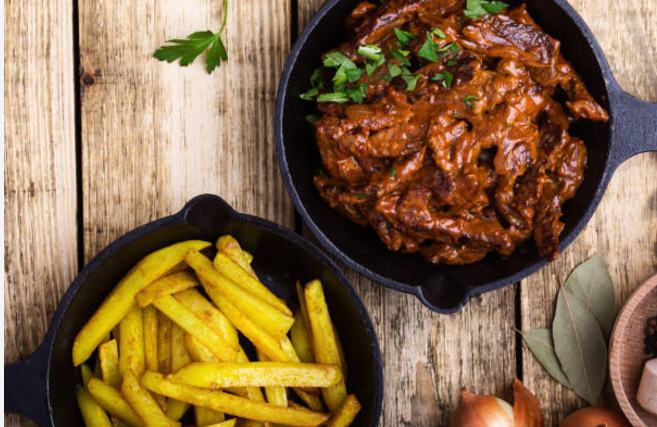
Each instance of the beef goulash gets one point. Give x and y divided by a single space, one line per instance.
444 127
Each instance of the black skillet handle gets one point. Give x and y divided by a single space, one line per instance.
25 387
207 212
634 126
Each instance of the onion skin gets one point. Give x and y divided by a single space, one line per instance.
595 416
526 409
479 411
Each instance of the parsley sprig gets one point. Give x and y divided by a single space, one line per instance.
478 8
432 51
187 50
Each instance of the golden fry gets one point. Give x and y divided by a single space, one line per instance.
143 403
179 358
111 400
164 325
264 342
207 417
167 285
109 363
257 374
346 414
313 400
275 395
195 326
273 321
193 301
92 414
227 423
224 265
85 372
230 404
229 246
325 347
176 409
150 338
122 298
301 340
131 343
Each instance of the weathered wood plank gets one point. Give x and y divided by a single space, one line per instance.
155 134
623 228
428 357
39 177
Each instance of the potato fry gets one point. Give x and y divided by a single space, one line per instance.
273 321
257 374
167 285
264 342
207 417
193 301
301 338
248 255
92 414
131 343
346 414
150 338
231 247
164 325
143 403
230 404
325 347
275 395
313 400
227 423
85 372
195 326
179 358
108 353
343 358
122 298
111 400
228 268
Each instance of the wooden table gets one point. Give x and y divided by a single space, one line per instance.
101 138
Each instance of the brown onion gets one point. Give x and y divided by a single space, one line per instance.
479 411
595 416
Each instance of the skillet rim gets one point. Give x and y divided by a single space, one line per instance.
613 91
45 350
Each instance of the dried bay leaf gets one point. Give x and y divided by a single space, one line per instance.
580 346
541 345
591 283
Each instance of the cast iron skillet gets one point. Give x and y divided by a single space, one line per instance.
43 386
445 289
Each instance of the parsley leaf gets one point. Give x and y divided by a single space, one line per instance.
438 32
392 172
370 51
187 50
409 79
468 99
478 8
428 50
317 79
394 70
333 97
354 75
445 78
400 55
404 37
309 94
372 66
358 93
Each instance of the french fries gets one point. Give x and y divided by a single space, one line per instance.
122 298
131 342
194 326
171 347
257 374
231 404
271 319
325 347
167 285
92 414
110 399
347 412
144 404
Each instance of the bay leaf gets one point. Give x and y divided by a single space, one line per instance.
541 345
591 283
580 346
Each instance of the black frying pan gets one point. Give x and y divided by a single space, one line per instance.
43 386
445 289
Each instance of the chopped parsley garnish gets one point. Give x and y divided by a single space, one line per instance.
372 66
392 172
357 93
452 62
445 78
317 79
478 8
400 55
468 99
394 70
370 51
336 59
428 50
439 33
404 37
312 119
309 94
190 48
333 97
409 79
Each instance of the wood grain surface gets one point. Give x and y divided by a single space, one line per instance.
153 135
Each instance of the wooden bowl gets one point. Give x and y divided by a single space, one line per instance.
626 355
